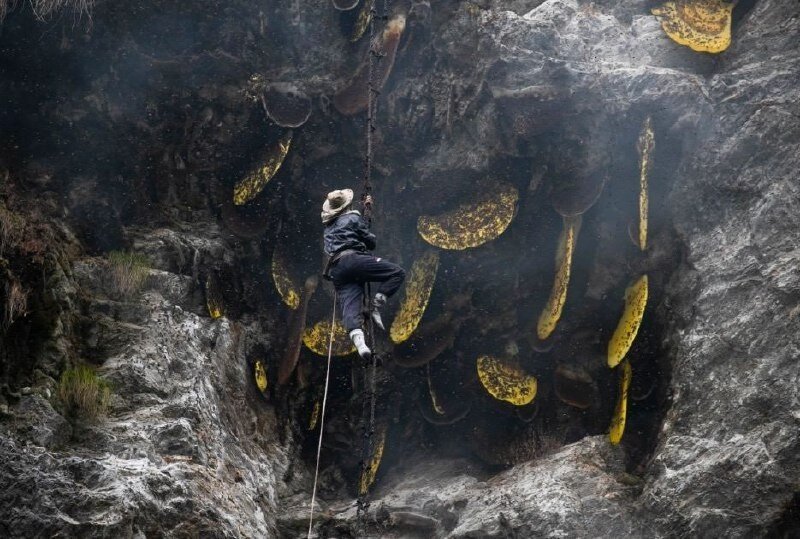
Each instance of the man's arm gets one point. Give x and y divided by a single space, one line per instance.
366 236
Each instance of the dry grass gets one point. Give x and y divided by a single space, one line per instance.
16 303
12 228
29 236
83 393
129 271
43 9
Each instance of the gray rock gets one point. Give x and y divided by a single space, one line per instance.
190 449
40 423
184 450
728 453
572 493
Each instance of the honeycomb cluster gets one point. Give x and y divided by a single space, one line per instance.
505 381
418 288
702 25
251 185
284 284
316 338
471 225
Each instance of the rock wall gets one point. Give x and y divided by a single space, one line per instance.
188 448
129 132
727 456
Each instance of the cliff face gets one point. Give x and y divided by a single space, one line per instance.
130 131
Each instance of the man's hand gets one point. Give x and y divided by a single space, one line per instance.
368 200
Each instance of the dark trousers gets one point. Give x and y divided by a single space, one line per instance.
351 272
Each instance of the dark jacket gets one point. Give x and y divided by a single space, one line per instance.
348 231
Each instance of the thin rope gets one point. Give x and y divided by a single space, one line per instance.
370 126
322 417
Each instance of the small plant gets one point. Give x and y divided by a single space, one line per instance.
83 393
128 271
16 303
12 227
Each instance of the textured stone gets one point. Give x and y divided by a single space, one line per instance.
183 452
189 448
728 455
576 492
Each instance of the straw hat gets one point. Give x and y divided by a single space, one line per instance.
336 203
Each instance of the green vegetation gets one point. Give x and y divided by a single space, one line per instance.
128 271
83 393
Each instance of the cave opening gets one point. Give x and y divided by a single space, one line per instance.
486 300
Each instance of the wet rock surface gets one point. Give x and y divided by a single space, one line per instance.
528 92
582 490
730 441
186 449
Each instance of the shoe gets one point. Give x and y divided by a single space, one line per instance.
357 336
377 302
376 317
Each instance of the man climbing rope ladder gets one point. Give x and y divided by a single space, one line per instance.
347 240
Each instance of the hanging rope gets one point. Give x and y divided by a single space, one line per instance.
368 404
369 377
370 127
322 417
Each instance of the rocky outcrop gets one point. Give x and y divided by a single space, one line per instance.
728 453
187 448
580 491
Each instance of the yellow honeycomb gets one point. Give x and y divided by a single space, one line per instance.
558 294
316 338
471 225
506 382
617 428
628 326
437 406
417 293
286 287
251 185
645 146
312 422
371 470
261 376
702 25
216 308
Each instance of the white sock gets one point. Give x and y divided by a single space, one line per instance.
357 336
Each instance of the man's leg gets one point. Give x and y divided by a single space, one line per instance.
374 269
350 296
379 270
